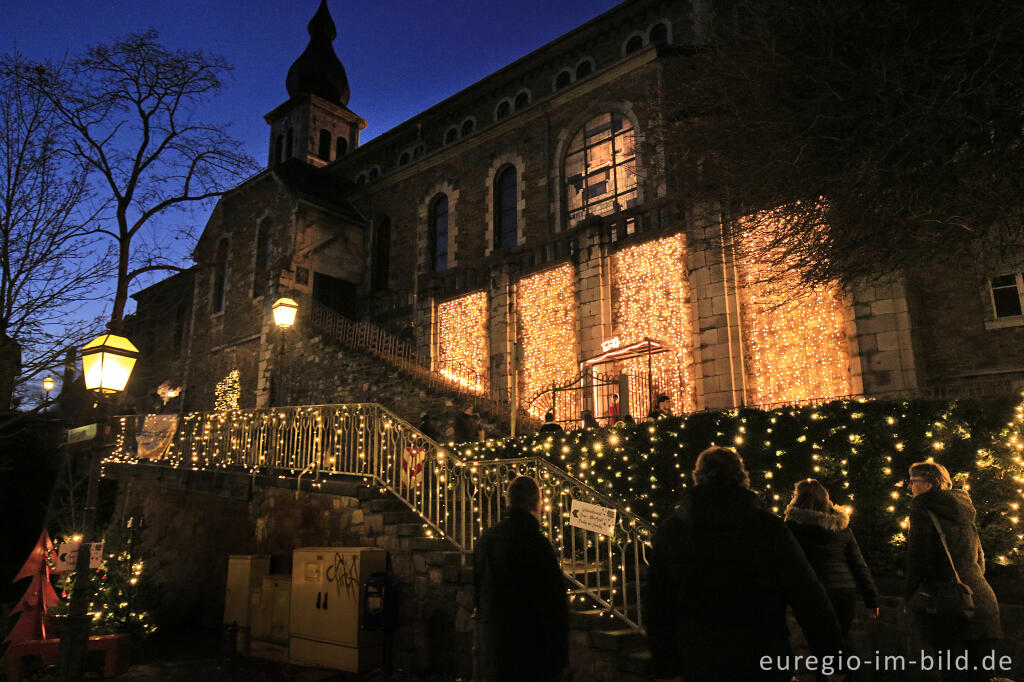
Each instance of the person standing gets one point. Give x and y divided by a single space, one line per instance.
614 410
465 426
722 572
823 531
520 595
428 428
936 503
550 425
662 408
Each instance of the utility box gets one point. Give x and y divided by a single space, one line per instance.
326 608
245 579
270 619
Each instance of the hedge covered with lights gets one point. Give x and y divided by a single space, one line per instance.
860 450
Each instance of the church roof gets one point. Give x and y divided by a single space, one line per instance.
317 185
318 71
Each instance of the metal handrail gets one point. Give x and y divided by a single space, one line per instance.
456 497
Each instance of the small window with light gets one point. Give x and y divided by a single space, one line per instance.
1006 291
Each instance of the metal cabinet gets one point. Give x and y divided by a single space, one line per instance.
326 608
245 579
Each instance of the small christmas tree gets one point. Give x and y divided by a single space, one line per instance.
38 599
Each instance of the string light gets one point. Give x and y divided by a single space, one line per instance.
462 351
651 299
546 305
227 393
795 345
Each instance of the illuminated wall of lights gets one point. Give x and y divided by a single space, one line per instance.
795 345
227 393
651 299
546 304
462 353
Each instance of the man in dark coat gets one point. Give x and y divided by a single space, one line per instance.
466 429
550 425
520 595
927 565
722 572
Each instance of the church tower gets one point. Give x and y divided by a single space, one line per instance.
315 124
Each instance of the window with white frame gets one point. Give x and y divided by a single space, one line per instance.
600 167
1007 292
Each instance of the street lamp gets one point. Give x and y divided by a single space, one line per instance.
107 362
48 386
284 310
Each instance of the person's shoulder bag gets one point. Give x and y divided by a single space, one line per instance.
947 597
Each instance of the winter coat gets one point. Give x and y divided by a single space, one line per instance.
722 572
550 427
521 598
832 551
927 561
466 428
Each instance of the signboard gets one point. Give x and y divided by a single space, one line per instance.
610 344
592 517
67 556
82 434
156 434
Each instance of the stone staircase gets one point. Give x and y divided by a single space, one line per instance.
440 579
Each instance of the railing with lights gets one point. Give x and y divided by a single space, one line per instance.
457 498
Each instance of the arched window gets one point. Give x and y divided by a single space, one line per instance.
584 69
600 168
659 34
506 204
220 276
634 44
563 80
324 148
522 100
340 147
381 265
439 233
264 254
403 159
374 173
289 144
278 144
504 109
361 179
468 126
451 135
417 151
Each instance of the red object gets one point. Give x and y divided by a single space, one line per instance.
613 413
38 598
114 648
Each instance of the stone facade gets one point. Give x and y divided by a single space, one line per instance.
352 229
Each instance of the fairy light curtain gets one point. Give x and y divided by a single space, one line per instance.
462 340
651 298
794 339
546 305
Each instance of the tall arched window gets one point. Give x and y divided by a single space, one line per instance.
324 148
264 255
659 34
220 276
600 168
506 215
439 233
340 147
381 266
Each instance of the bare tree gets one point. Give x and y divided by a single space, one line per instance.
888 135
50 266
132 106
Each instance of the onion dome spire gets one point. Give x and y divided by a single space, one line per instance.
318 71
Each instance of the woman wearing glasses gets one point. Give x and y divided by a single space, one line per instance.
938 512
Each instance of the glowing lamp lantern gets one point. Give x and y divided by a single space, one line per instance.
284 312
107 362
48 384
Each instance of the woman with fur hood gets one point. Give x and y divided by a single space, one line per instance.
823 531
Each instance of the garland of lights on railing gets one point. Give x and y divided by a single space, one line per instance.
462 339
795 345
546 306
652 299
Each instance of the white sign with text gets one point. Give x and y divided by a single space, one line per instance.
67 556
592 517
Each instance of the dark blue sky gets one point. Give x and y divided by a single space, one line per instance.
401 56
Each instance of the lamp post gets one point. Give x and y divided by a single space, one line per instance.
48 386
107 362
284 311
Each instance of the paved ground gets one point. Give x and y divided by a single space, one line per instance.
198 657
